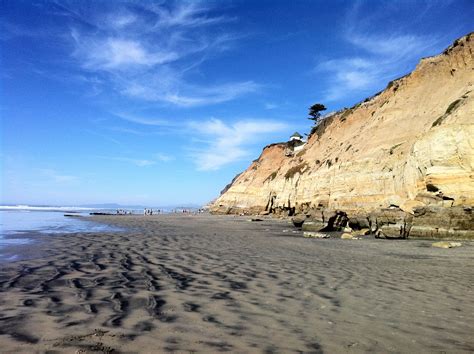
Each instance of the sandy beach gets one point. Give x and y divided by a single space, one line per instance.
182 283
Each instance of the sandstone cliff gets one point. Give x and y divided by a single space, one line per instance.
401 161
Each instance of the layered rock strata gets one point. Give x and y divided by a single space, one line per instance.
400 163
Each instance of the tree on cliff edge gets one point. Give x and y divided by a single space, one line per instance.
315 112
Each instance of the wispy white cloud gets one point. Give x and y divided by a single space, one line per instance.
133 161
195 96
270 105
397 46
186 14
382 55
147 52
111 54
145 120
163 157
143 131
126 130
121 20
139 162
213 143
223 143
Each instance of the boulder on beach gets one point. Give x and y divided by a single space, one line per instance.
313 226
298 220
446 244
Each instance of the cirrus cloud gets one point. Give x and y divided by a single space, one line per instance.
148 51
224 143
383 56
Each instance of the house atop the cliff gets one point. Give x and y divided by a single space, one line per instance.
296 136
295 144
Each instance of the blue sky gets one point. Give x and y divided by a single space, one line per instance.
162 103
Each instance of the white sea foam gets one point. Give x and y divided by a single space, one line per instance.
16 223
45 208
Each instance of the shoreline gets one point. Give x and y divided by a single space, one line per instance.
221 283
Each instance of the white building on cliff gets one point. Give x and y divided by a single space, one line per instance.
295 144
296 136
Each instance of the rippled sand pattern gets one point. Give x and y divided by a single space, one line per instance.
215 284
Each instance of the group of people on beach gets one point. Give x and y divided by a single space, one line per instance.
150 211
188 211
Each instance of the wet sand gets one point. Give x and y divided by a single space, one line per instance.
212 284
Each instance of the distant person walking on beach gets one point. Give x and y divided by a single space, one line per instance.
147 211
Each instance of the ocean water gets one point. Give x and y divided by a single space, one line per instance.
16 221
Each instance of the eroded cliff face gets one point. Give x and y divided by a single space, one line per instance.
409 150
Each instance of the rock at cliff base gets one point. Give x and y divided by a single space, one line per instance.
298 220
309 234
392 231
313 226
347 236
361 232
411 206
446 244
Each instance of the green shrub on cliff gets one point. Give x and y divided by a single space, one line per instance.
271 177
295 169
453 106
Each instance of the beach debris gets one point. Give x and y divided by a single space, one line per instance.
347 236
446 244
256 219
310 234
